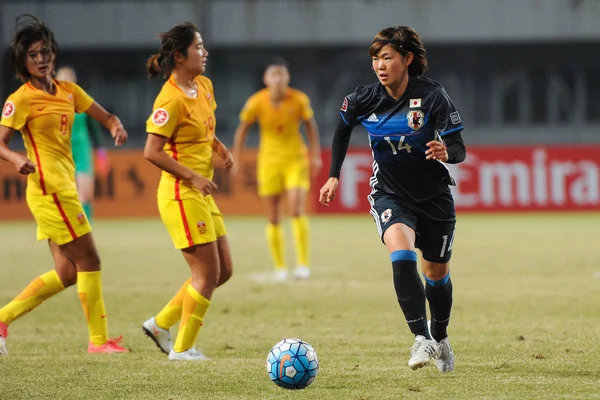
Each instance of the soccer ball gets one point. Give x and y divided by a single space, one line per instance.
292 364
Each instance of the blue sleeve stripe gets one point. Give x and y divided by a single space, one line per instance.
441 282
457 129
344 119
403 255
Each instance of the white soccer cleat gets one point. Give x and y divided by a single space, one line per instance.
3 350
280 275
421 352
444 358
302 273
3 336
160 336
189 355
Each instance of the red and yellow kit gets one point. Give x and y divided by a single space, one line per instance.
282 156
189 124
45 121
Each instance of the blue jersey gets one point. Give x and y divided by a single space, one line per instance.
398 133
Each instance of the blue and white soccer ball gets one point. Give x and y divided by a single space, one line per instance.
292 364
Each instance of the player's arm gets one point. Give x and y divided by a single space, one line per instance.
109 121
22 164
455 147
155 153
314 145
239 139
222 151
339 146
451 148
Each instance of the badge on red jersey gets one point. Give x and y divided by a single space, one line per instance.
345 105
160 117
8 110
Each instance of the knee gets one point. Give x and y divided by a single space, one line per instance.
90 263
435 271
296 213
274 219
225 275
67 275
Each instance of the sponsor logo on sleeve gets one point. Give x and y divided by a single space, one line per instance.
455 118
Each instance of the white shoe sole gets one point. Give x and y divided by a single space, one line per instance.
148 332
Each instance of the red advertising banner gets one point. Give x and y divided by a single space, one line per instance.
494 178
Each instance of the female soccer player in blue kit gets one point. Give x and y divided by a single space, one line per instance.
414 130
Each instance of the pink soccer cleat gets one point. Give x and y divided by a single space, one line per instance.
111 346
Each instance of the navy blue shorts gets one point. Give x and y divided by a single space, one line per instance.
433 221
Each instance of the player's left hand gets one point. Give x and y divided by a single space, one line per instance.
118 132
437 151
228 160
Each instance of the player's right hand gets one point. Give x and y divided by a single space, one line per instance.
24 165
327 193
204 185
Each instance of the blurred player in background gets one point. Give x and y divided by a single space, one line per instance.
414 129
43 110
181 140
284 164
86 139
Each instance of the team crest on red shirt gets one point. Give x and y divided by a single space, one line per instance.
81 218
415 119
160 117
9 109
201 227
345 105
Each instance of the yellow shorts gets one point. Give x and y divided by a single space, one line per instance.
59 216
192 221
275 178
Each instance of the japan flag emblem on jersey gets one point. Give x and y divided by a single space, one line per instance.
160 117
415 103
8 110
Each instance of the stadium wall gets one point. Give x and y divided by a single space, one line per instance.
492 179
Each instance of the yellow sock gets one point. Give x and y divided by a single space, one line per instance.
276 244
38 290
89 289
192 315
301 239
171 313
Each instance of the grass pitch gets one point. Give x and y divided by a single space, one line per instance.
525 323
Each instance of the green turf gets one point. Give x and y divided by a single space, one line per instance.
526 320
